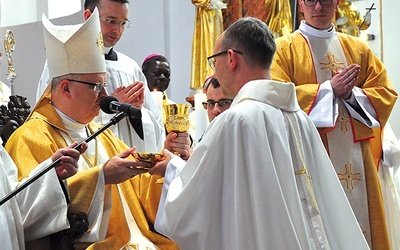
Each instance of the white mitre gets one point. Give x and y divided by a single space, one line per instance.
74 49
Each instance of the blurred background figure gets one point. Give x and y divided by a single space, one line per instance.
216 102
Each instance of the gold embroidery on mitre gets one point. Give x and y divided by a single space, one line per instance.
100 42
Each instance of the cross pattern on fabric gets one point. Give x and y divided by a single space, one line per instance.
343 120
334 66
349 177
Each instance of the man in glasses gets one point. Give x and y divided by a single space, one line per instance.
345 90
260 178
125 80
109 187
216 102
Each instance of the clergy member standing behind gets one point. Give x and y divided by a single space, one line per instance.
39 209
345 90
120 206
260 178
125 80
157 71
216 102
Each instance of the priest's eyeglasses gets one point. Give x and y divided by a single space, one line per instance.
223 104
110 21
97 87
314 2
211 59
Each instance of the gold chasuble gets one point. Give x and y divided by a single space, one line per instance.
275 13
354 147
208 26
42 135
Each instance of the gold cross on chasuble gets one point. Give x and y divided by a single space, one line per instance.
348 176
334 66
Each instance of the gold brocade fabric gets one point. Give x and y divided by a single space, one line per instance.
210 23
39 138
290 65
208 26
349 20
279 18
275 13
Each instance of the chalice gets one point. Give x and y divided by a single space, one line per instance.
177 118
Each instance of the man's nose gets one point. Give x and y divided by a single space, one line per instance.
217 108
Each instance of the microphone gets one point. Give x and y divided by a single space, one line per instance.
110 105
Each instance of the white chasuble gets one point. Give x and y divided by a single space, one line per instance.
38 210
259 179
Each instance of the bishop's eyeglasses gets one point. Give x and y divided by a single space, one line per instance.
310 3
97 87
223 104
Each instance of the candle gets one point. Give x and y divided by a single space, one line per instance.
201 119
158 98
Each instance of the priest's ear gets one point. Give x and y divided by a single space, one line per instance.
233 59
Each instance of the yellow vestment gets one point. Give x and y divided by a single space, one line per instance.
293 62
208 26
275 13
40 137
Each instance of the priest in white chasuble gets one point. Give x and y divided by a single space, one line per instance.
260 178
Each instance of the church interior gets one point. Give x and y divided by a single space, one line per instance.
183 31
169 28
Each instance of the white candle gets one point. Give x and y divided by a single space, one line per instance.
158 98
201 119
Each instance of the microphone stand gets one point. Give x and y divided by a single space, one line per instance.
113 121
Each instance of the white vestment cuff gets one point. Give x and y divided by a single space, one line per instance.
365 113
325 110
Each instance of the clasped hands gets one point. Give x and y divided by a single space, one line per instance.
344 81
132 94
